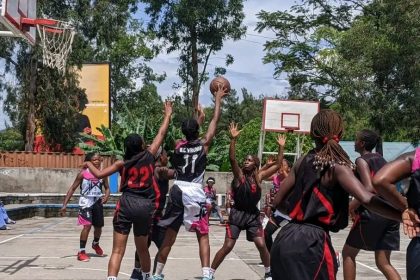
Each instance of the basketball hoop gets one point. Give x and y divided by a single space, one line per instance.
290 129
56 38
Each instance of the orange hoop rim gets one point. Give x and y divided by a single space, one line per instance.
38 21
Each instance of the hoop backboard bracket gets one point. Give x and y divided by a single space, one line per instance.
12 15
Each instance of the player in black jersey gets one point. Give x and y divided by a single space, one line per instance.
315 195
140 196
405 166
245 215
370 231
162 174
187 201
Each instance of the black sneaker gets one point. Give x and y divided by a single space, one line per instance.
267 276
136 275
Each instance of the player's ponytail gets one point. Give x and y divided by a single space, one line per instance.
326 130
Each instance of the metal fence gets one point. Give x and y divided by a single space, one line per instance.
46 160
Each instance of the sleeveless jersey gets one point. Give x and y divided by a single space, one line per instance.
310 202
90 189
413 194
246 194
137 177
375 162
210 193
189 161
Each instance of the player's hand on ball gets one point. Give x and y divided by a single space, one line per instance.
221 91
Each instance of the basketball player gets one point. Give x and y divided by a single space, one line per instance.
162 174
140 196
406 165
370 231
317 191
187 201
91 212
245 215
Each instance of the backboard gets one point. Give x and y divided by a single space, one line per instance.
12 14
288 115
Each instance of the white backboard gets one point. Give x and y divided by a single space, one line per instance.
286 115
12 11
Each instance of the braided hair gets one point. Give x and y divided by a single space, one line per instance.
327 130
371 139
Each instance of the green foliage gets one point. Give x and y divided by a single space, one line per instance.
359 56
11 140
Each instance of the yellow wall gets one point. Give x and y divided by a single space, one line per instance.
95 79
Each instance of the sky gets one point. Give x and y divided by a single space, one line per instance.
248 70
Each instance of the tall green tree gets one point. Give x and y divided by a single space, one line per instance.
197 29
106 31
360 57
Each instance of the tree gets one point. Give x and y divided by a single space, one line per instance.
106 31
197 29
352 55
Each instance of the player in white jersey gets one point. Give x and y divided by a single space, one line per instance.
90 205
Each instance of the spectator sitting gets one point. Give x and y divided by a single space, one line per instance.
4 218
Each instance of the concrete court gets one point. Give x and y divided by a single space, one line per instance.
41 248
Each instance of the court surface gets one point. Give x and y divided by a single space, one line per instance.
41 248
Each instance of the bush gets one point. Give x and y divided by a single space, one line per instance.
11 140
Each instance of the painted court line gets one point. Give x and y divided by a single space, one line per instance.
368 267
7 240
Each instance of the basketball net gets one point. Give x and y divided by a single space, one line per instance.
56 42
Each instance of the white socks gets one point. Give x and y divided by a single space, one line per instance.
159 268
206 272
111 278
267 269
212 271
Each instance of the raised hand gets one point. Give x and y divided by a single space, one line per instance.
233 129
221 91
168 108
281 140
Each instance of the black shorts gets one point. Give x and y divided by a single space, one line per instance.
372 232
413 259
133 210
304 252
241 220
157 235
174 212
93 215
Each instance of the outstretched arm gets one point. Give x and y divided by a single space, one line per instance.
266 173
116 166
211 131
352 185
70 192
157 142
234 134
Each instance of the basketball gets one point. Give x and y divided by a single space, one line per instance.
219 80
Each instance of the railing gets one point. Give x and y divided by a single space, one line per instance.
45 160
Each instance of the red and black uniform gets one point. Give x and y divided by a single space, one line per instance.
245 214
140 198
370 231
303 249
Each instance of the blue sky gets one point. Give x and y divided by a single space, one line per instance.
247 71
